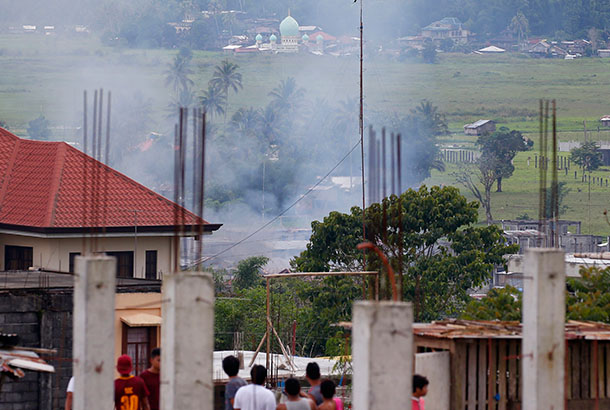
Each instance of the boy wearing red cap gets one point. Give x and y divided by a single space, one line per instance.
130 392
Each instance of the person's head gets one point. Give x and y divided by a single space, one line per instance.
258 374
155 359
230 365
124 365
312 371
292 387
327 388
420 385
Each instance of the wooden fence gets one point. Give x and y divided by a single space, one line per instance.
487 370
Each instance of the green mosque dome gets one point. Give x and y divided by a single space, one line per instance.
289 27
319 38
259 37
273 38
305 38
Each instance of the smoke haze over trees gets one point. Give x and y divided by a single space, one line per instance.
143 23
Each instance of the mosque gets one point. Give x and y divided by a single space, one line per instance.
291 40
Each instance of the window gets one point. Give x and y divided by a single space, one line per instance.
18 257
72 261
151 264
124 263
137 343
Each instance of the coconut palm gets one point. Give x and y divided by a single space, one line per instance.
226 78
431 118
177 73
246 121
185 98
271 124
213 101
287 97
520 26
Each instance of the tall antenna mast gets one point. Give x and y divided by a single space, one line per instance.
361 126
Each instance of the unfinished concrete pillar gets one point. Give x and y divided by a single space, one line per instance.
382 355
187 341
543 346
93 343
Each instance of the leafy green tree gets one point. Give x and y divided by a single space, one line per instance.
499 150
588 156
226 77
213 101
443 254
588 297
499 304
38 128
177 73
248 273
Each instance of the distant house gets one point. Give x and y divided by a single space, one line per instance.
544 48
449 27
480 127
492 50
46 213
605 120
603 53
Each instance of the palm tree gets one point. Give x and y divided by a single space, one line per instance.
228 20
246 121
287 96
520 26
226 77
270 124
430 116
213 101
185 98
178 71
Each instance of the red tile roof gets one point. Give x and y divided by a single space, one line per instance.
41 187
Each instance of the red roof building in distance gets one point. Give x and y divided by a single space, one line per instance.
46 191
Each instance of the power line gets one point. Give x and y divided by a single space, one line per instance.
284 211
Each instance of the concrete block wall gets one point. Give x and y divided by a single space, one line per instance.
41 319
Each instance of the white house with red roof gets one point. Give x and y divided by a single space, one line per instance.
50 213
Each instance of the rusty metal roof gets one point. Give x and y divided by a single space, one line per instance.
12 361
482 329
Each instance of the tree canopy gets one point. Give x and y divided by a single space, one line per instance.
442 253
588 156
499 148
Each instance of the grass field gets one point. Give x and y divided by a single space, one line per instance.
48 74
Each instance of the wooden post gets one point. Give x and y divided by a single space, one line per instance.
94 289
382 355
544 329
187 341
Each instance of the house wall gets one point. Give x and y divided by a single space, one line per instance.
435 366
54 253
43 318
128 303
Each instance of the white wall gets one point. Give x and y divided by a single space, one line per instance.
54 253
436 367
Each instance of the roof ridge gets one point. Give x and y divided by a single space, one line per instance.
8 171
60 159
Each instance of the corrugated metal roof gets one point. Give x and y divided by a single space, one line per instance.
13 360
481 329
476 124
